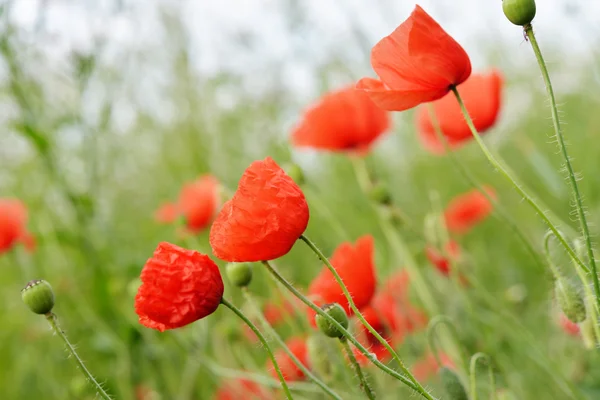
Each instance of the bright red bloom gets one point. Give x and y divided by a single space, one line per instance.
289 370
416 63
481 94
242 389
355 266
343 120
439 260
428 366
468 209
13 220
263 220
179 286
568 326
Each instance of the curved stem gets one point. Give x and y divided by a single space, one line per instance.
265 324
472 374
53 320
555 271
262 339
346 333
364 385
563 150
435 321
528 198
362 319
589 295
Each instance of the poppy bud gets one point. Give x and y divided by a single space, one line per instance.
380 193
454 387
519 12
295 172
570 300
38 296
335 311
586 328
240 274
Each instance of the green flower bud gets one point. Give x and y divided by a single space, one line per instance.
570 300
295 172
454 387
335 311
519 12
380 193
240 274
38 296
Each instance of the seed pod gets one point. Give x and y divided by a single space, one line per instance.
335 311
38 296
519 12
380 194
570 300
240 274
454 387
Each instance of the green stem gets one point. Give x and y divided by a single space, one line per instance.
570 172
528 198
346 333
265 324
472 374
53 320
262 339
590 298
364 385
435 321
362 319
555 271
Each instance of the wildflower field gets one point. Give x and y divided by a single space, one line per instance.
422 225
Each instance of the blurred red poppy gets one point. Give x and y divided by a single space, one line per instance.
277 311
428 366
343 120
355 266
399 315
439 260
481 94
468 209
568 326
417 63
263 220
198 202
13 220
179 286
289 370
239 388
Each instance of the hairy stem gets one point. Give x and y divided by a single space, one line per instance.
472 375
364 385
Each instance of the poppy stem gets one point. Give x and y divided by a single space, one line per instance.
473 375
265 324
364 385
53 320
528 198
499 210
362 319
417 388
262 339
435 321
570 172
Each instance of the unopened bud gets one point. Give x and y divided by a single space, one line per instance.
38 296
454 387
380 193
240 274
335 311
519 12
570 300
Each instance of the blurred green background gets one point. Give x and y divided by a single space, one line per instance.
94 137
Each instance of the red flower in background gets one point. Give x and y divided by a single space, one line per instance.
416 63
428 366
374 318
263 220
198 202
179 286
398 314
277 312
13 220
468 209
343 120
355 266
289 370
439 260
242 389
481 94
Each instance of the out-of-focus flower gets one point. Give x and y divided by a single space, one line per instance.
264 218
289 370
343 120
179 286
468 209
13 229
417 63
427 367
568 326
439 260
481 94
237 389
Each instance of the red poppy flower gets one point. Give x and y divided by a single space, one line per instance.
276 312
399 315
439 261
13 220
468 209
242 389
416 63
179 286
263 220
428 366
343 120
481 94
355 266
289 370
570 327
